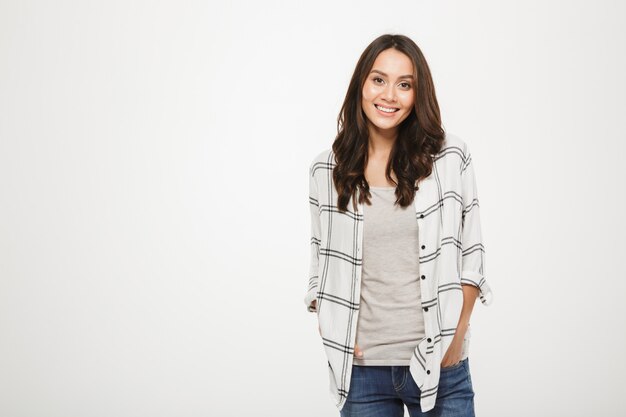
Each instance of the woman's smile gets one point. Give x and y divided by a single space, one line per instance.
386 111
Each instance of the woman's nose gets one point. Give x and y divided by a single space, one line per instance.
390 94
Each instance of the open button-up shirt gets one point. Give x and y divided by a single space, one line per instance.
451 254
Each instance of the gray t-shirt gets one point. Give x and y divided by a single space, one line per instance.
390 322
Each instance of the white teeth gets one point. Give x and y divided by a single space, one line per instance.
385 109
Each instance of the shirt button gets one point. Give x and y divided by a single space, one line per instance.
423 247
428 372
429 340
423 276
421 216
425 308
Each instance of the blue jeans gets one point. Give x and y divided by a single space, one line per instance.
383 391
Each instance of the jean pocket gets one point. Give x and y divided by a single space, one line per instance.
453 367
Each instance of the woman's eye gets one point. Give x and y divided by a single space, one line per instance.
407 85
376 79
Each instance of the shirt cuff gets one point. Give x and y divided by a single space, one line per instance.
477 280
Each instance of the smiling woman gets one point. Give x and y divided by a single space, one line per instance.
388 97
394 276
389 124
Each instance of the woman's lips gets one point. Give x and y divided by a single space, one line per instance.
385 113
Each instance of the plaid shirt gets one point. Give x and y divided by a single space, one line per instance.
452 254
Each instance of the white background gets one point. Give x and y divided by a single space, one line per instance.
154 219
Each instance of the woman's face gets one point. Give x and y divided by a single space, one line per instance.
389 86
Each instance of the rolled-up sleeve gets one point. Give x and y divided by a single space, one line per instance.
473 250
311 292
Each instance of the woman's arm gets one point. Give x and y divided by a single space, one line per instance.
472 248
455 350
311 293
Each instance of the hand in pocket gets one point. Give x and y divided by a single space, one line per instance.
357 351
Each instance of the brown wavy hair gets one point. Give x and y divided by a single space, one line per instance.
420 135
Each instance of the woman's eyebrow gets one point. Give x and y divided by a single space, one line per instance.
383 74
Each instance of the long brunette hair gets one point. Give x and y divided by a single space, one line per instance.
420 135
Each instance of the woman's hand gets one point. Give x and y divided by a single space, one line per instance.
357 352
454 353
